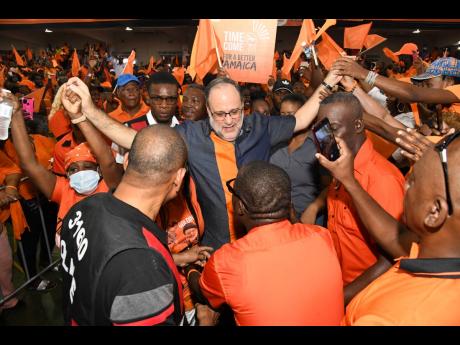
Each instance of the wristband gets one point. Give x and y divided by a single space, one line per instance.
79 119
9 186
191 271
327 86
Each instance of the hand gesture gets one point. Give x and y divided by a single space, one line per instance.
71 102
205 315
413 144
77 86
343 168
347 82
197 255
347 66
5 199
222 73
332 78
12 193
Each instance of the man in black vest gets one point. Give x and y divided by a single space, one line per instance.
116 266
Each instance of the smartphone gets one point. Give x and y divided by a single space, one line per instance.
325 140
28 108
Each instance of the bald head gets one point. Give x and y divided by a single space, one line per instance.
157 152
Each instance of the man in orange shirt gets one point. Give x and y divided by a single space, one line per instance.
356 250
423 289
279 273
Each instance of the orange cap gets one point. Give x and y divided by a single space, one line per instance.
407 49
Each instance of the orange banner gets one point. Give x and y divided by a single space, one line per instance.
248 48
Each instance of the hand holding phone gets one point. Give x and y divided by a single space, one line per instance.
28 108
325 140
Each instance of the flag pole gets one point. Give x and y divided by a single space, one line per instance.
217 50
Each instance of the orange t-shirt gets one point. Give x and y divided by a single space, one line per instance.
226 164
66 197
385 184
121 116
426 295
44 147
278 274
455 89
59 124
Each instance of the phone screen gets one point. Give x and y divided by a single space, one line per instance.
325 141
28 108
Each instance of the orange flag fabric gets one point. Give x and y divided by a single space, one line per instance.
355 36
29 55
328 51
2 76
108 77
177 61
75 64
277 55
18 220
306 37
37 96
129 68
204 52
373 40
19 60
150 67
390 54
179 74
327 25
285 74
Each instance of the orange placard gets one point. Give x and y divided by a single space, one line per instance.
248 48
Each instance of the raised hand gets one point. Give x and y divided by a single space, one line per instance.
77 86
413 144
71 102
347 66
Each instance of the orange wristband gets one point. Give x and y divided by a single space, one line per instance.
192 270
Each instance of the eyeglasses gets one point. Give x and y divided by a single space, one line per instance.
159 99
229 184
234 114
442 150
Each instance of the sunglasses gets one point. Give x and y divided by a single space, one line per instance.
441 148
229 184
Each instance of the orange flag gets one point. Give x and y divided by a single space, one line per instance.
179 74
390 54
2 76
274 69
328 51
75 64
177 61
373 40
151 62
129 69
205 50
37 95
29 55
277 55
355 36
19 60
306 37
327 25
284 74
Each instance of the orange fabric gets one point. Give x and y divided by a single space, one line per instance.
414 108
455 89
106 85
66 144
37 95
385 184
108 78
284 74
328 51
75 64
179 74
390 54
178 217
399 298
407 49
79 154
44 147
59 124
29 54
372 41
129 68
204 56
19 60
278 274
28 83
382 146
226 163
306 37
277 55
151 62
18 219
354 37
66 197
83 72
327 25
122 116
2 76
274 70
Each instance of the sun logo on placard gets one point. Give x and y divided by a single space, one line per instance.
260 29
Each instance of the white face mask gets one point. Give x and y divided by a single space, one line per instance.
84 182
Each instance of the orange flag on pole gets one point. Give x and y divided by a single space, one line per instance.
150 67
306 37
191 68
206 49
355 36
75 64
108 77
329 51
37 96
390 54
179 74
129 68
373 40
285 73
29 55
327 25
19 60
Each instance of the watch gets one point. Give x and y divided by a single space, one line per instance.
79 119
